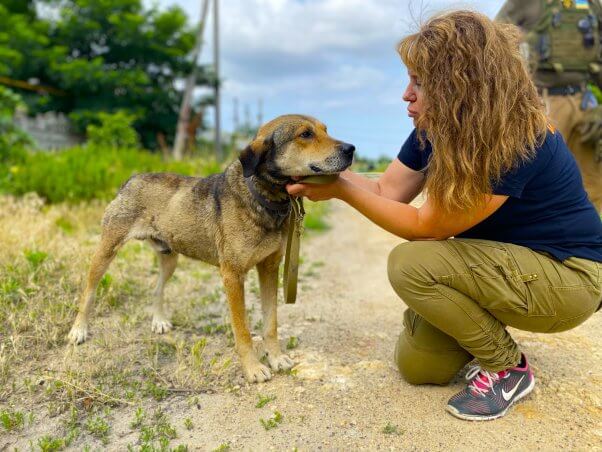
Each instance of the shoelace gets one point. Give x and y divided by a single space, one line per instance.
482 380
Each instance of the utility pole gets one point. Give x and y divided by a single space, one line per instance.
247 118
218 141
184 116
259 112
235 119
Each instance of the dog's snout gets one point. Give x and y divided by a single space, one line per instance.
347 149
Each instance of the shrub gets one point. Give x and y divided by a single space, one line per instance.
115 131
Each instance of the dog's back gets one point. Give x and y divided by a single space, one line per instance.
173 211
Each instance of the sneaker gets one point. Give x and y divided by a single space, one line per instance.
489 395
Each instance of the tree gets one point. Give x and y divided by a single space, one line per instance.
105 56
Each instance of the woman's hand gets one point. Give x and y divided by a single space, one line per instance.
318 192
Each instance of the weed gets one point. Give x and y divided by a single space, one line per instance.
49 443
264 400
188 424
65 225
155 391
105 282
35 258
222 448
99 428
156 434
391 429
72 426
272 422
12 420
139 416
196 352
292 343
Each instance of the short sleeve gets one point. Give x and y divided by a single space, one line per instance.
410 154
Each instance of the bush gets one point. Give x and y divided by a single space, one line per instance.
115 131
91 172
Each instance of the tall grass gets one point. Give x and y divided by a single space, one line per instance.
85 173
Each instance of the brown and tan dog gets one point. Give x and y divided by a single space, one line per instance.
234 220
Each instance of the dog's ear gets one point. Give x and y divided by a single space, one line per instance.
254 154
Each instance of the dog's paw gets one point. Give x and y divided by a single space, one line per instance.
280 362
160 325
78 334
257 373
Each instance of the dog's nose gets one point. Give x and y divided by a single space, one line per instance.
347 148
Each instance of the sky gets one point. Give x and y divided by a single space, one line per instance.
331 59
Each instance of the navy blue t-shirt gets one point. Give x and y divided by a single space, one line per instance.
547 209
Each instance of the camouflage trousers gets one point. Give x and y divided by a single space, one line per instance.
565 114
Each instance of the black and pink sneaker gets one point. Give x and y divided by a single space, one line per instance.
489 395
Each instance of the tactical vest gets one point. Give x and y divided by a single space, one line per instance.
567 37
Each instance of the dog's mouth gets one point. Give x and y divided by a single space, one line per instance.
316 170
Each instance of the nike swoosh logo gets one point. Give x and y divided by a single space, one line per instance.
508 395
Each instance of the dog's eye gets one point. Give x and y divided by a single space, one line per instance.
307 134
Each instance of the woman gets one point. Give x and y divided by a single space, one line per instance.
527 251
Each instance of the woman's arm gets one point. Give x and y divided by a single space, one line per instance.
401 219
398 182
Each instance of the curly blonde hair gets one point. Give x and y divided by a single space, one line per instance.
482 112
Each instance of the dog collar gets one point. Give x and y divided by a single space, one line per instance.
280 208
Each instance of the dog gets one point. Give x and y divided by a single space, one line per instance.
235 220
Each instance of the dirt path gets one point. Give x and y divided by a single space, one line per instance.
347 389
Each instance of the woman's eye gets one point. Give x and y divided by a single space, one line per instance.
307 134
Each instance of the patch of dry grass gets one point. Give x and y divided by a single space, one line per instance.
44 256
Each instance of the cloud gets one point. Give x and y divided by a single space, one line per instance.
332 58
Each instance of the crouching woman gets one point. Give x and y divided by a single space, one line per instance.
527 246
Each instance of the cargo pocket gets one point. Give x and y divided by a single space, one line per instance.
499 284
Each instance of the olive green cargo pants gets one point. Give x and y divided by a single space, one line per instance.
462 293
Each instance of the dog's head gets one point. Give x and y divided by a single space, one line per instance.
293 146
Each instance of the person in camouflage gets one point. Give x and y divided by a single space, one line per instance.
562 46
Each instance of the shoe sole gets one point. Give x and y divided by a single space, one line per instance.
475 417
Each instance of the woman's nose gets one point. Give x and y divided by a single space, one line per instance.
409 95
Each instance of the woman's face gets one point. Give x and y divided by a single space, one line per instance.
413 95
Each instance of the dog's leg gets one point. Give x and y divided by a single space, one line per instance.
268 286
106 251
167 265
254 371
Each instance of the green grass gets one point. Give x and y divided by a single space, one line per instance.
49 443
264 400
12 420
272 422
98 427
391 429
292 343
315 213
155 432
90 172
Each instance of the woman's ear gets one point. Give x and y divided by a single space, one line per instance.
254 154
